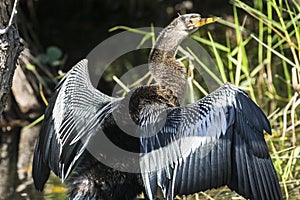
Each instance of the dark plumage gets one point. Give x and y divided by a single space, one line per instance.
215 141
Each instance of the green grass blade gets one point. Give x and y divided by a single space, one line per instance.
35 122
126 28
205 67
209 43
275 52
218 59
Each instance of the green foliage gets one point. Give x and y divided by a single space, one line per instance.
30 67
271 77
52 56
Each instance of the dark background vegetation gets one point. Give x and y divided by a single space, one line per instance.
76 26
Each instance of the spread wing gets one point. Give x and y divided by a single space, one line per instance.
216 141
70 113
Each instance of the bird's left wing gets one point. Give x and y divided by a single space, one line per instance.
216 141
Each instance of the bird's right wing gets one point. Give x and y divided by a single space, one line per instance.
216 141
70 113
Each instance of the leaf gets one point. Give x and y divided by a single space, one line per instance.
42 58
30 67
53 53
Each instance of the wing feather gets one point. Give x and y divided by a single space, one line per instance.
216 141
71 110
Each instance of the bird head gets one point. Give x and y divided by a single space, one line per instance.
190 22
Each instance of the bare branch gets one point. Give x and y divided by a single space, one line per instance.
13 13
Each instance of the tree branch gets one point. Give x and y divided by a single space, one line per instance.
10 49
13 13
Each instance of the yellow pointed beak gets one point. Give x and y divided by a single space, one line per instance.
203 21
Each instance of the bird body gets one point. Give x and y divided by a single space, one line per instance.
216 141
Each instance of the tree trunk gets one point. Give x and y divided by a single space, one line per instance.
10 49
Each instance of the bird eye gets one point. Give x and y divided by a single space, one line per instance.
190 21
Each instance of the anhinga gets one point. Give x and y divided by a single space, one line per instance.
215 141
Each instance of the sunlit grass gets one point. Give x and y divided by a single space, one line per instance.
55 189
277 38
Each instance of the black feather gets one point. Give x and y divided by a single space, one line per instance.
227 147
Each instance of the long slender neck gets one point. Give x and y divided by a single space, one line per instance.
166 70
